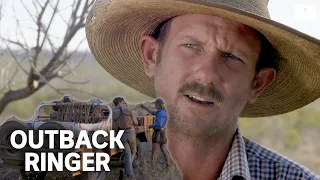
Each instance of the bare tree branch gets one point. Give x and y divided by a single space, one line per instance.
12 77
42 77
40 25
67 56
8 86
76 49
18 29
27 9
73 82
39 77
47 29
22 93
77 65
17 61
15 43
2 53
72 30
58 12
81 91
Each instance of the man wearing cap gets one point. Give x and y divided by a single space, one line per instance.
159 139
211 61
124 119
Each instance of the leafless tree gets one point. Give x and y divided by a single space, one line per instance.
37 73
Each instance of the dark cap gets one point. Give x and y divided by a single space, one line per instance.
158 101
66 99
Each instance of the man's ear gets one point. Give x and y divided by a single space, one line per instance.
263 79
149 47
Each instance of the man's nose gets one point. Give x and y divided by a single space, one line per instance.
207 68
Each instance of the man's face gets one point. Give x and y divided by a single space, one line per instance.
205 72
123 104
157 106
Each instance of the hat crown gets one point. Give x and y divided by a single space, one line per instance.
257 7
159 101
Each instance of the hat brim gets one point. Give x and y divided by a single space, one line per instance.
114 30
155 102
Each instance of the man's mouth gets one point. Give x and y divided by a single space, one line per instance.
200 100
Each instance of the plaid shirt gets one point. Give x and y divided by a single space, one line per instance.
248 160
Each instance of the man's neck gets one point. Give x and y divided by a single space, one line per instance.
201 158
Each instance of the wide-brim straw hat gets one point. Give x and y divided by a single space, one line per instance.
114 28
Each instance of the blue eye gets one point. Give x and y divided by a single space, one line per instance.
192 46
230 56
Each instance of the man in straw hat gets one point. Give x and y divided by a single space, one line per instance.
211 61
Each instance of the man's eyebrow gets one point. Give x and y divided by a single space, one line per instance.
243 54
185 36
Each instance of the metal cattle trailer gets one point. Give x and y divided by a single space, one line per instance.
66 114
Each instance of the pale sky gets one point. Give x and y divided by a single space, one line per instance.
303 15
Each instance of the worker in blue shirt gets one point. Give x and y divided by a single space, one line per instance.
159 139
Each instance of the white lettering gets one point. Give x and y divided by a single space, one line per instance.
13 139
43 161
32 139
116 139
51 134
90 161
57 163
64 139
83 139
73 162
86 161
95 138
102 159
29 162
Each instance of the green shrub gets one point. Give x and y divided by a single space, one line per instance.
291 138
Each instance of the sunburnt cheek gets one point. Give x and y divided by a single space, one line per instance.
235 96
169 78
233 86
234 67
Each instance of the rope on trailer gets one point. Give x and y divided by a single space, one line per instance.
79 112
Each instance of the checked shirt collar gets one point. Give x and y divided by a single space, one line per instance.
236 165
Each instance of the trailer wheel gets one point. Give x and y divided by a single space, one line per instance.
51 125
15 156
32 176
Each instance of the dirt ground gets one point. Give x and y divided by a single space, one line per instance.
144 172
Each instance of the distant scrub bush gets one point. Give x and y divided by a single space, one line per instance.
291 138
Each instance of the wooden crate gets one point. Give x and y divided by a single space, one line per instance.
148 120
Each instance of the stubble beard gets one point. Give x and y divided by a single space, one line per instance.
179 122
183 125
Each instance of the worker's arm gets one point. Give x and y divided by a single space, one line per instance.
114 126
147 109
134 119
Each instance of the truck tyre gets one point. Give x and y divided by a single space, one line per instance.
6 129
51 125
32 176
